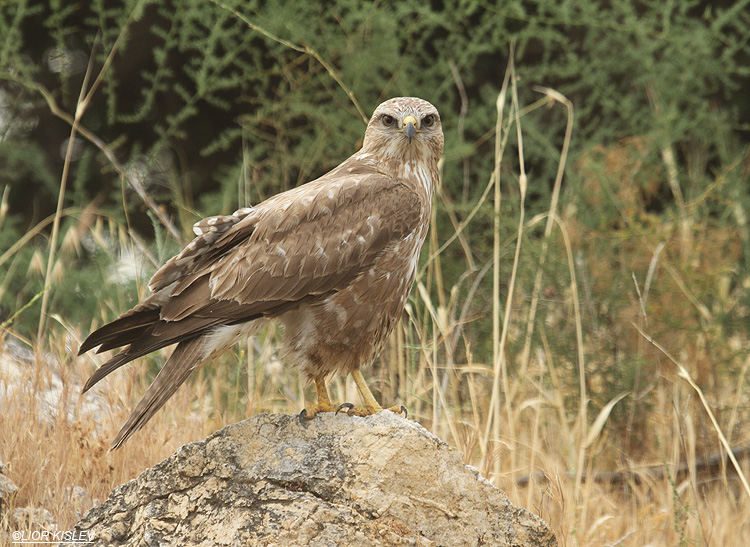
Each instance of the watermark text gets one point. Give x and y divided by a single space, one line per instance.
51 536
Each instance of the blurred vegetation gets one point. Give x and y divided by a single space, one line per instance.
214 105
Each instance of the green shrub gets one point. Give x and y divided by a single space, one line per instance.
223 104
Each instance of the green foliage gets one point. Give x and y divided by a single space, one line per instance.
193 78
222 104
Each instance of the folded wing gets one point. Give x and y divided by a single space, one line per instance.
263 261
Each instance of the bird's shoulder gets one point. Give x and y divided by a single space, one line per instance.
339 198
353 208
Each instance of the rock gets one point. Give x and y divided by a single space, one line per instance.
8 490
337 480
19 372
79 499
30 518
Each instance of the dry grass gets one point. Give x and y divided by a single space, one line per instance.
529 412
47 452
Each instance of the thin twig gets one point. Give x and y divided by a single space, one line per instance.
80 110
495 180
522 185
464 110
710 464
107 151
559 98
302 49
686 376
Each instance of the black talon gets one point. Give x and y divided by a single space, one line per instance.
303 417
344 405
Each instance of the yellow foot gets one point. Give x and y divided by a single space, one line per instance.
362 411
371 405
308 413
323 404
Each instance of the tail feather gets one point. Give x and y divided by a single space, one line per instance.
132 335
148 342
144 340
187 357
122 331
113 364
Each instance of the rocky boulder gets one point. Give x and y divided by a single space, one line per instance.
333 481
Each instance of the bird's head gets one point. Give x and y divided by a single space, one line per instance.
405 129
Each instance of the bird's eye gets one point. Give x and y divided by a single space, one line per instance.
388 120
428 121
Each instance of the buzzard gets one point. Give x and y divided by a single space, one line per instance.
333 260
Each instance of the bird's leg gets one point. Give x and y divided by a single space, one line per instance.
322 405
371 405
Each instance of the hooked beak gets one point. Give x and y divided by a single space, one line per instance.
410 127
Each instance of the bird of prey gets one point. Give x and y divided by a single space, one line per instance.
333 259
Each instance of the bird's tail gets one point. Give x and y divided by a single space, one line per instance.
122 331
187 357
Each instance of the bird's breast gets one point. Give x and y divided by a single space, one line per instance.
346 329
